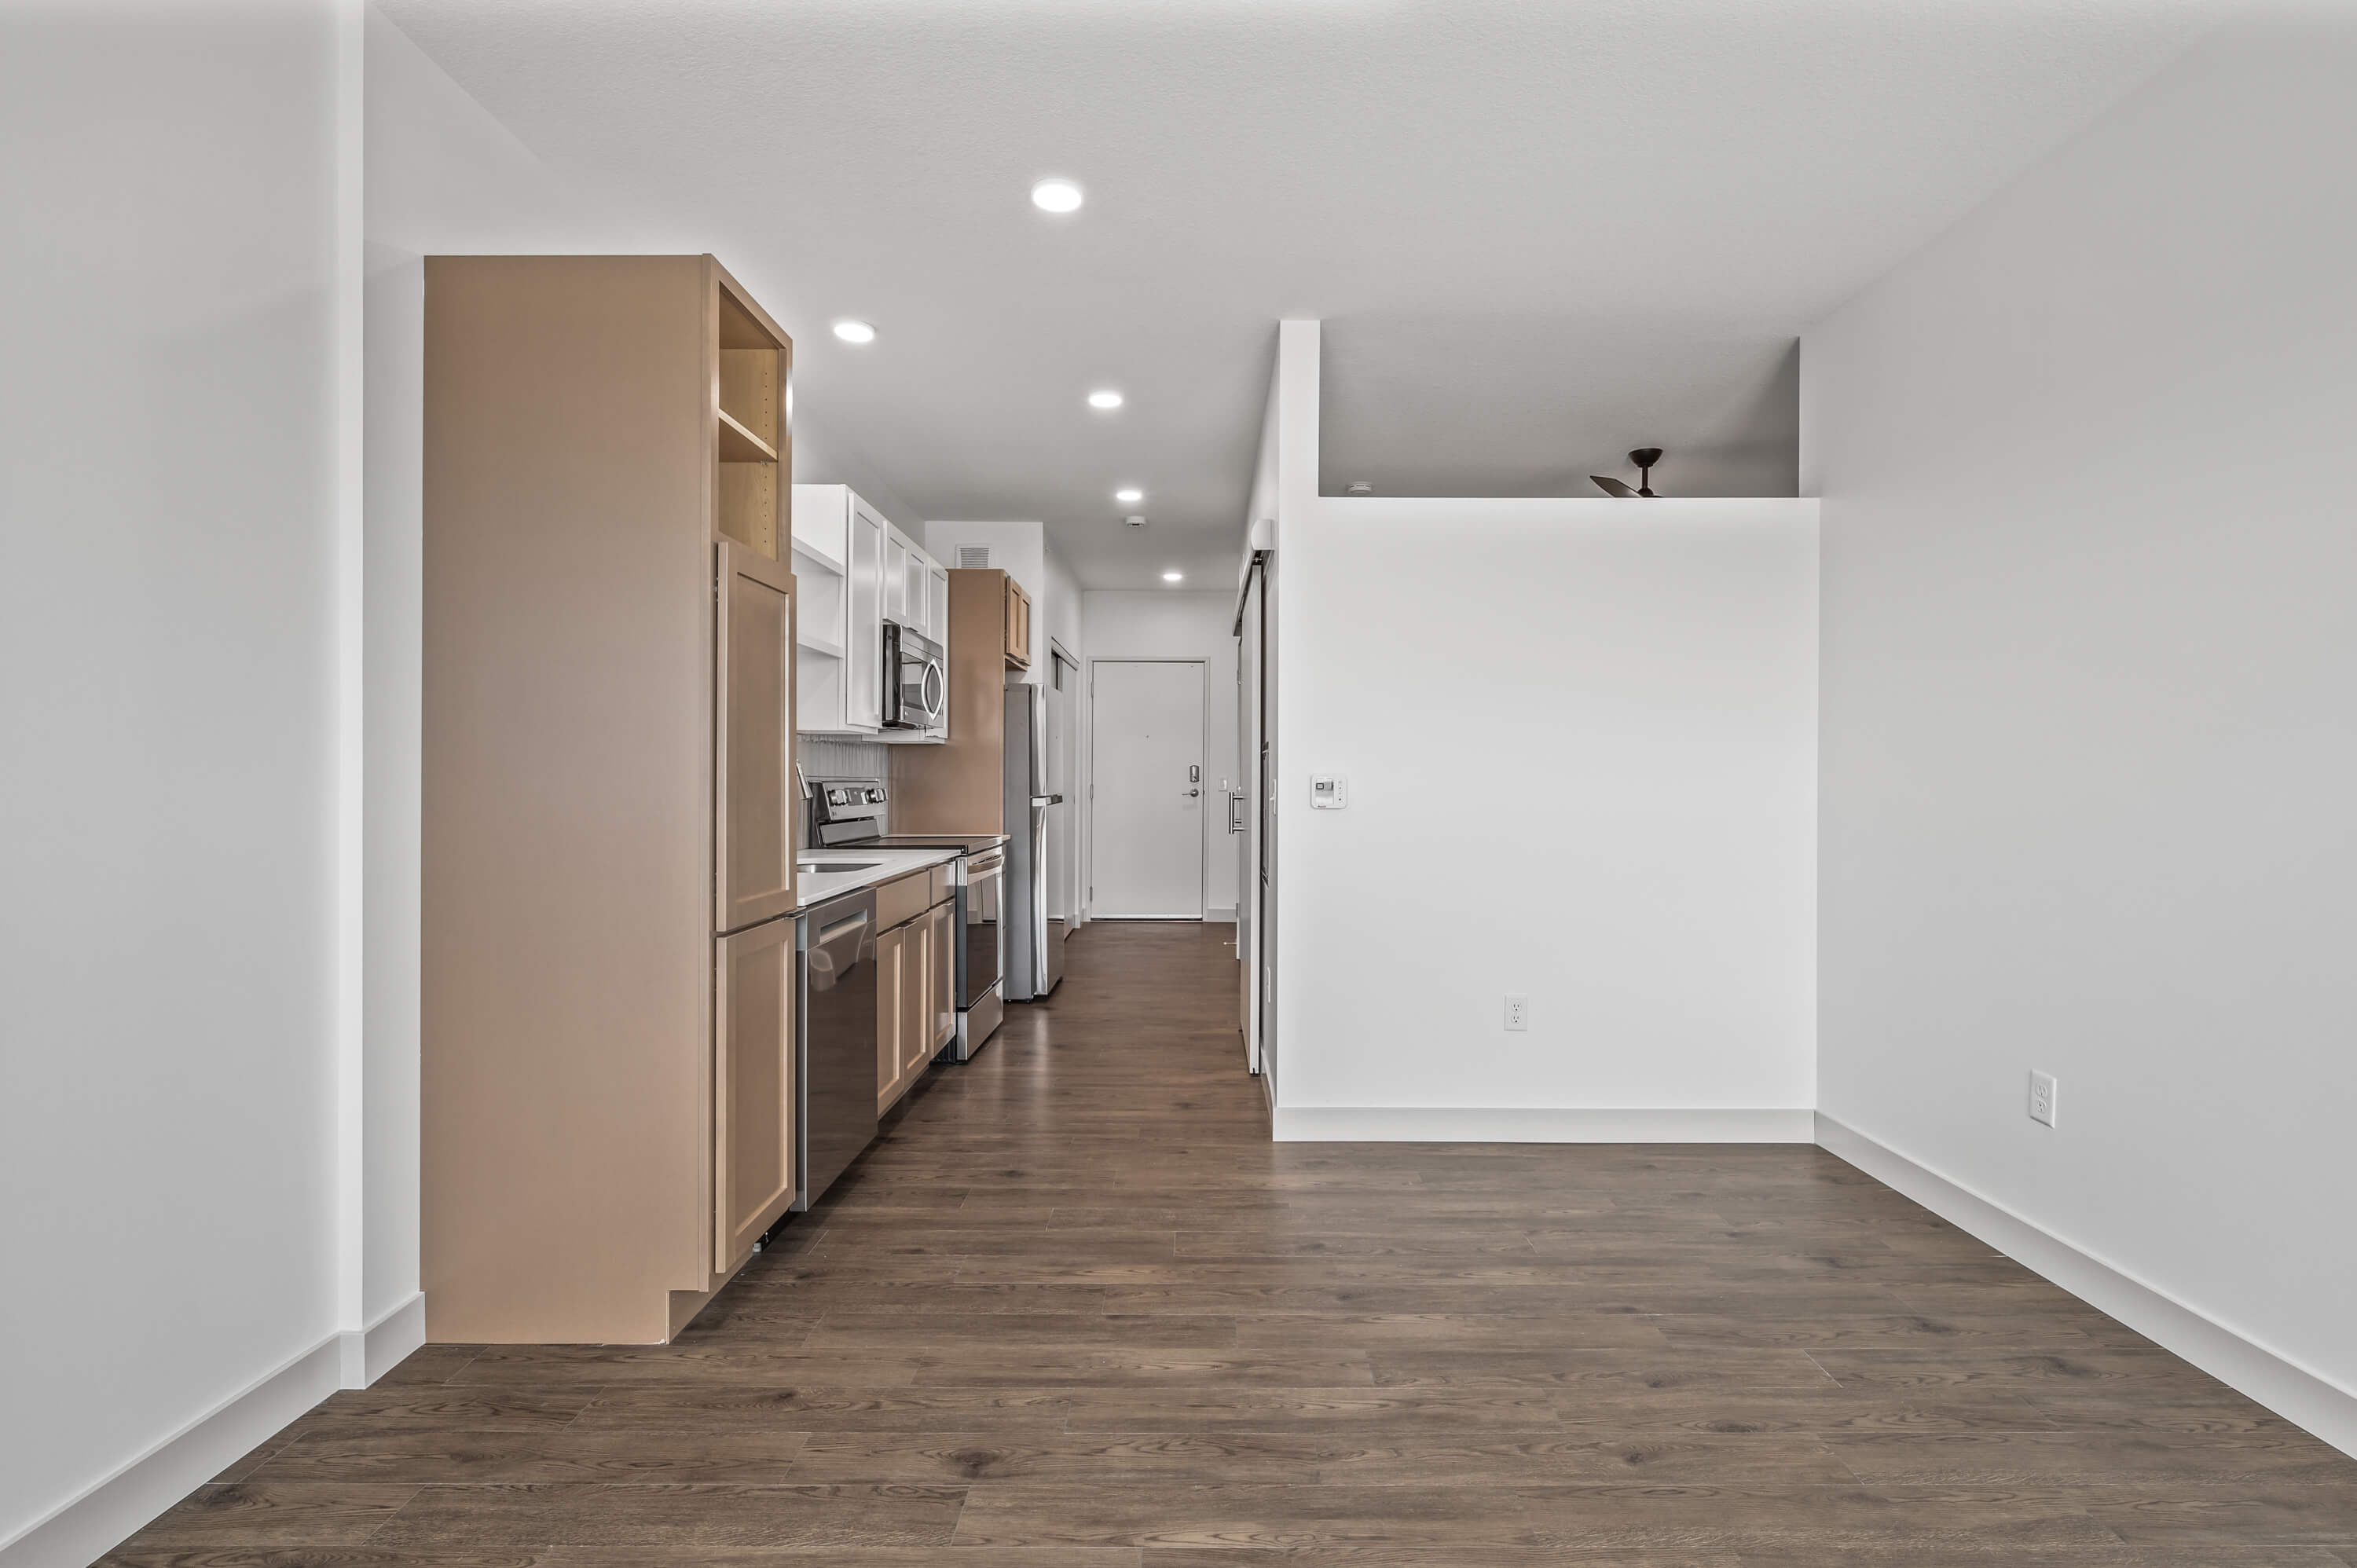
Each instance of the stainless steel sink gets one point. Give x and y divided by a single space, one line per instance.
841 865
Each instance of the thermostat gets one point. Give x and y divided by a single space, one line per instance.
1328 791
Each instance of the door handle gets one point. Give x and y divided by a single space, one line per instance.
1192 793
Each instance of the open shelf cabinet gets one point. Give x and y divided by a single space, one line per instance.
751 443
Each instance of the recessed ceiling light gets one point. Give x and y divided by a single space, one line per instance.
1128 495
852 331
1105 398
1174 577
1056 196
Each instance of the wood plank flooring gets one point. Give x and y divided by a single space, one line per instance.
1076 1311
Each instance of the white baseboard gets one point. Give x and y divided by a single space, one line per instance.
392 1340
2301 1397
106 1515
1221 915
1443 1124
101 1518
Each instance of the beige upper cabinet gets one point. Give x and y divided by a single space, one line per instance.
1018 626
752 447
754 846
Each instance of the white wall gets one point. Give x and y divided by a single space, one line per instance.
1172 625
2089 667
1579 738
169 474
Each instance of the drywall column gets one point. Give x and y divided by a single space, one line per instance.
2089 661
175 668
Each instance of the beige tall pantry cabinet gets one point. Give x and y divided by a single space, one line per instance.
610 825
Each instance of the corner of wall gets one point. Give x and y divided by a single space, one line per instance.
2275 1380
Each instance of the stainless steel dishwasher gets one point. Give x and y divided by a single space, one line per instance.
834 1118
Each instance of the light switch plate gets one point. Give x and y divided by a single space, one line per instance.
1328 791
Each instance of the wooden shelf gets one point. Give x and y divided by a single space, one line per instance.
738 445
811 642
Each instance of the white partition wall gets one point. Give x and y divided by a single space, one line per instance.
1578 739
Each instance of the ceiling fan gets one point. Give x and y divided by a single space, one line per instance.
1645 457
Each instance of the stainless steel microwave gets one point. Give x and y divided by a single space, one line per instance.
916 681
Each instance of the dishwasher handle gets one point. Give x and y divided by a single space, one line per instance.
840 928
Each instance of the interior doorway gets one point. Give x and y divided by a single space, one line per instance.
1146 790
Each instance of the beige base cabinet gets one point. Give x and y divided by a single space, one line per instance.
940 984
916 977
609 817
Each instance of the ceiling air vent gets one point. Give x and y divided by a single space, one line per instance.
972 556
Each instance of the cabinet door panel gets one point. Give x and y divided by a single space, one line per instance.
752 1087
895 576
890 950
863 703
753 839
917 595
916 997
943 976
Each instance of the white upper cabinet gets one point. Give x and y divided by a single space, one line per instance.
899 550
838 568
854 571
864 709
916 594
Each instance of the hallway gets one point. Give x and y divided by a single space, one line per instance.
1075 1311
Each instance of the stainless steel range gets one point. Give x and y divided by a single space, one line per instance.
845 814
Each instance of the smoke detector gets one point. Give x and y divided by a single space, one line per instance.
1360 487
1135 522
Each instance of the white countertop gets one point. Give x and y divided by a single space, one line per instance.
879 866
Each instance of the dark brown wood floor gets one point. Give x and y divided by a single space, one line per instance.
1076 1311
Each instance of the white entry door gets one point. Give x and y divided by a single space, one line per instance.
1146 833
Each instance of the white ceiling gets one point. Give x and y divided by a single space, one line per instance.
1540 233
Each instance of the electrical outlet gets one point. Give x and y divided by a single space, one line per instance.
1518 1012
2042 1096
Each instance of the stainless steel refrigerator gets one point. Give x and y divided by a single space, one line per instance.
1035 950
